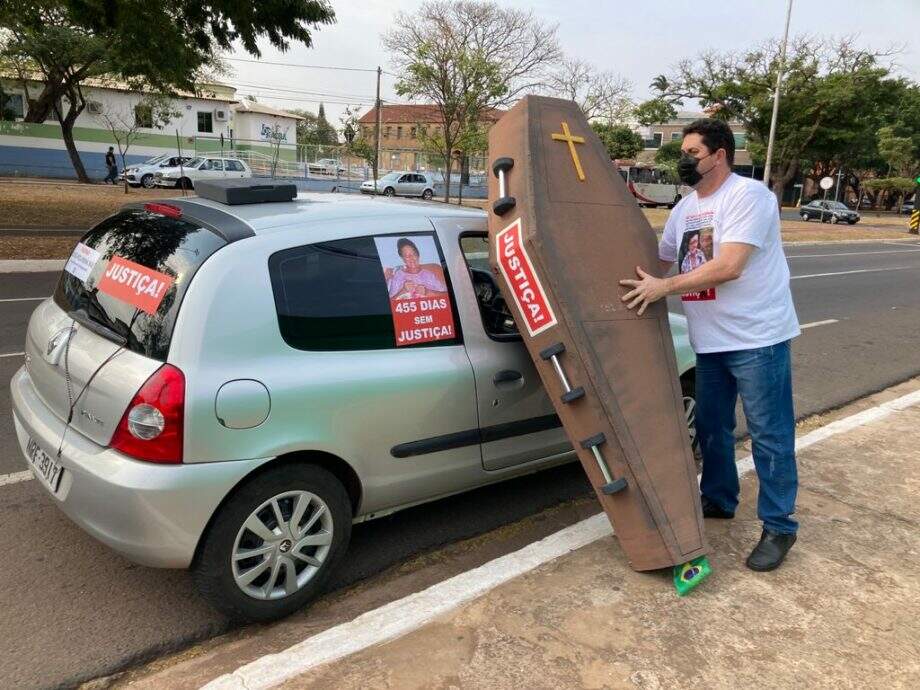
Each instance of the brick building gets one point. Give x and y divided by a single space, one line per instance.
658 134
400 126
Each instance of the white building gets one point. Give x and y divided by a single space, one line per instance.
208 120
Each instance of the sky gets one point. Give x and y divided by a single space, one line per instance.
637 40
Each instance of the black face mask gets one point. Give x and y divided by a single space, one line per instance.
686 169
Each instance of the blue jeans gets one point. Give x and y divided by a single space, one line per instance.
113 174
763 378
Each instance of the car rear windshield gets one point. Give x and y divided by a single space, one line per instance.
169 246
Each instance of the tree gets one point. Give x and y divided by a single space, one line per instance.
669 153
655 111
599 94
823 96
66 43
621 141
314 129
125 123
350 126
896 189
896 151
467 58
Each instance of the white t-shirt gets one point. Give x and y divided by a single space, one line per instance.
755 310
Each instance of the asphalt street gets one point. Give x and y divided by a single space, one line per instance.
73 610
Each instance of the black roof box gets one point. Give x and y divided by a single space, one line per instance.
236 191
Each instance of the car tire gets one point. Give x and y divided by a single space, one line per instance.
147 181
427 194
835 220
389 191
806 217
688 390
852 222
220 573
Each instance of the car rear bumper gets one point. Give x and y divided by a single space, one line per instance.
151 514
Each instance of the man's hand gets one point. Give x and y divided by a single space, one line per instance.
647 290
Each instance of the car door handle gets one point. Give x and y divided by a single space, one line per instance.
507 376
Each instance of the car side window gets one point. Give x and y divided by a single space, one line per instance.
333 296
234 166
405 178
216 164
496 316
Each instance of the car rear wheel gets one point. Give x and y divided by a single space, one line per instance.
147 181
427 194
274 543
688 388
389 191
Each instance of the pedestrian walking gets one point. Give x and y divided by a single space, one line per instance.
741 320
112 166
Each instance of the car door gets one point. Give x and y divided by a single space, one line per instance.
517 421
404 185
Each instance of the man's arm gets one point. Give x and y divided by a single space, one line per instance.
727 266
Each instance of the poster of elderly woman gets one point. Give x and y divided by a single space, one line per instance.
695 250
419 300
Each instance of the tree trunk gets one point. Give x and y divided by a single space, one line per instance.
784 174
41 108
73 112
448 165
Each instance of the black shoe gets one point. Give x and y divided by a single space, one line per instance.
770 552
711 510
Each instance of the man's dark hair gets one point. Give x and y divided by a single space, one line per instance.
716 135
405 242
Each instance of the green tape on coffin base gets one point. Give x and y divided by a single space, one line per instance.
690 574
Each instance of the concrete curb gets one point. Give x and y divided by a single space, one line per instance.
31 265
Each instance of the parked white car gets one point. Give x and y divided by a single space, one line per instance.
201 168
326 166
144 174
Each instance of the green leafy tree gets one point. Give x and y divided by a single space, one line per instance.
669 153
467 58
896 189
164 46
896 151
823 95
655 111
621 142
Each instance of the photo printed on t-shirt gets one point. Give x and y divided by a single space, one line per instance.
696 248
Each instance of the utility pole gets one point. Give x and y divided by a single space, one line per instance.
378 107
779 83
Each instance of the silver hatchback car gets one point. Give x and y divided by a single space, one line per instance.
402 184
228 388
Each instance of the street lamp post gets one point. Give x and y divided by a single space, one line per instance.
779 83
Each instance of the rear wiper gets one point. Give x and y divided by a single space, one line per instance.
98 327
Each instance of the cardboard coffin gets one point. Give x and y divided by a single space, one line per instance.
563 230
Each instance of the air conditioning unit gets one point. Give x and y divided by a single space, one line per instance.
221 114
94 107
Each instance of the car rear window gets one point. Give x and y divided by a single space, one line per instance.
174 247
334 295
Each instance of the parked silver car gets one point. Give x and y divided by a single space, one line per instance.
144 174
402 184
227 388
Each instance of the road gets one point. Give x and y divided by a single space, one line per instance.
73 610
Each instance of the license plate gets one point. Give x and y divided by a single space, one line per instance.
45 468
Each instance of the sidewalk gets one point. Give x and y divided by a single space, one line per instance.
842 611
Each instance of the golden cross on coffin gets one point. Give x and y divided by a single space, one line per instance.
567 137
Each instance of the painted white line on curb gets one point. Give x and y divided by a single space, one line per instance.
23 299
15 477
818 256
13 354
31 265
861 270
826 322
400 617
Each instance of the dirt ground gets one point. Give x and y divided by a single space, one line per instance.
41 204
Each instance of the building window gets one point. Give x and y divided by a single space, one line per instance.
413 132
654 142
399 132
386 132
11 106
676 136
740 141
205 121
143 116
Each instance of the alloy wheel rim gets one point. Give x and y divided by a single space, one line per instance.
690 415
282 545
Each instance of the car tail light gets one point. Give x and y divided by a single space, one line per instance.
151 427
167 210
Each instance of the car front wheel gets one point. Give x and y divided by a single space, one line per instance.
389 191
688 388
806 217
274 543
147 181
